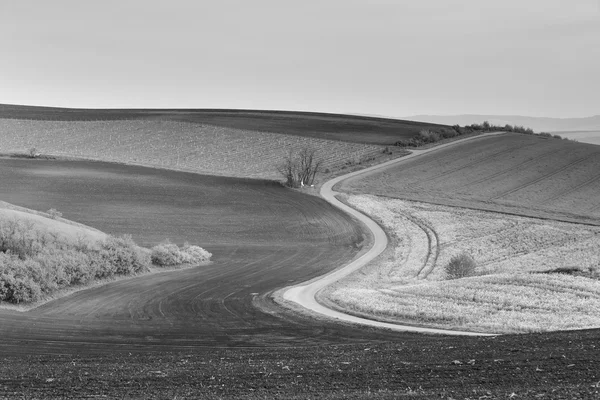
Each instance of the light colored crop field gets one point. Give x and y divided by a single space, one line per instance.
512 289
177 145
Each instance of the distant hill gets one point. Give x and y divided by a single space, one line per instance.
538 124
348 128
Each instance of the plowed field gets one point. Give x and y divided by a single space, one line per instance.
349 128
262 235
213 333
510 173
177 145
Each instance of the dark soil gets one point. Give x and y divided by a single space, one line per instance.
513 173
357 129
550 366
215 332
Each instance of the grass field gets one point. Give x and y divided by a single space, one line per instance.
514 289
511 173
349 128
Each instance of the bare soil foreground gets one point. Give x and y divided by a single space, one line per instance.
511 173
213 332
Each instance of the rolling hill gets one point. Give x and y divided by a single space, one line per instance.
538 124
236 143
349 128
511 173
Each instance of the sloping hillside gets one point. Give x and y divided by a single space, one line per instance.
511 173
177 145
68 230
350 128
538 124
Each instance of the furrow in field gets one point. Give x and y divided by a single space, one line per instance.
571 189
468 165
516 183
177 145
545 176
514 169
262 237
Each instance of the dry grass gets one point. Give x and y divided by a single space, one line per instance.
176 145
509 293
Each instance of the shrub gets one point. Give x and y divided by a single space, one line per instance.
165 254
54 213
36 262
21 239
196 254
460 266
123 256
169 254
428 136
18 288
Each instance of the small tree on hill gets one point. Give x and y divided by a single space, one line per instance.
301 168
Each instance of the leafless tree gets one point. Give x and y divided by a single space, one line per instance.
300 168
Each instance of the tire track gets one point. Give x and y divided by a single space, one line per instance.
543 177
415 185
304 294
571 190
433 246
511 169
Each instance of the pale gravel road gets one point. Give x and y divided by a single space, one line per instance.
304 295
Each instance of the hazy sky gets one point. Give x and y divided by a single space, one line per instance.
394 58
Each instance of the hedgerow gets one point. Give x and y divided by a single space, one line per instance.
433 135
35 263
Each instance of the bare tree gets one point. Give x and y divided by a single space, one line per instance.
301 168
287 168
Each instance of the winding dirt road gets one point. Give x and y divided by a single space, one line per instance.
262 236
305 295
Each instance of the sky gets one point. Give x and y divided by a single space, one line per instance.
373 57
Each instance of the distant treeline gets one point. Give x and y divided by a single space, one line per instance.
426 136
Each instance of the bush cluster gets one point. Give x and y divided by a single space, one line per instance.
168 254
34 263
426 136
460 266
433 135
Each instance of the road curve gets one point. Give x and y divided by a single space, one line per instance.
305 294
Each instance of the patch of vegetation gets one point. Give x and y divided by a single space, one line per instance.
33 153
434 135
54 213
301 168
35 263
460 266
169 254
